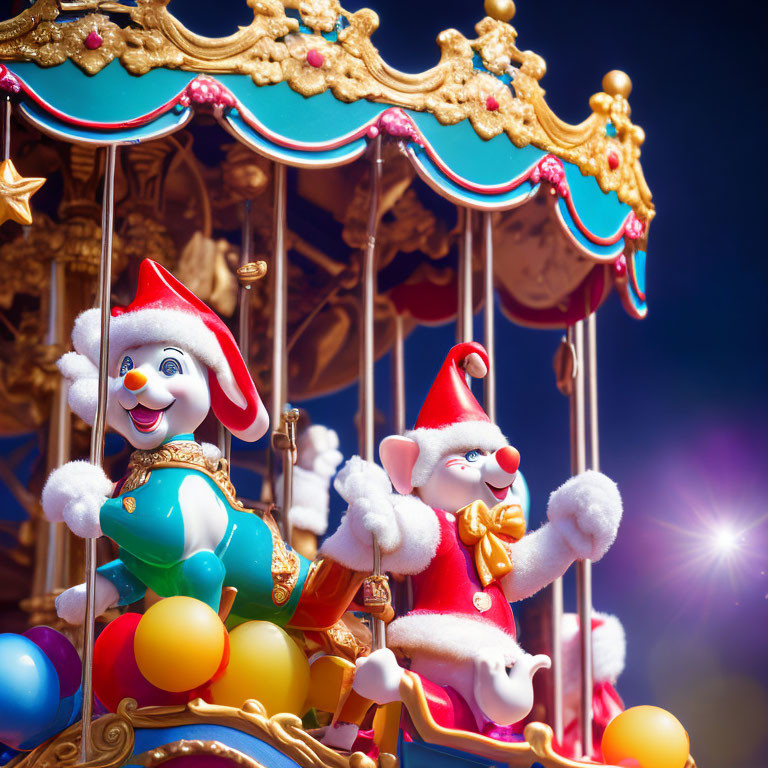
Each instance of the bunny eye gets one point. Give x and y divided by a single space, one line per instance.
170 366
126 365
472 455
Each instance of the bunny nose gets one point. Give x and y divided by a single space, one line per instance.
508 459
134 381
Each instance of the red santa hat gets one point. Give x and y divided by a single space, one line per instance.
165 311
451 418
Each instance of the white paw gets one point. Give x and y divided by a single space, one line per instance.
70 604
74 494
319 450
375 517
586 511
359 479
378 677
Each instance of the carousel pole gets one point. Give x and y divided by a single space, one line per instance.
489 331
367 400
584 567
97 439
279 319
464 328
59 433
398 374
7 128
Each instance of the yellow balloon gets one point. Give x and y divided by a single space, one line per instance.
646 737
179 644
264 664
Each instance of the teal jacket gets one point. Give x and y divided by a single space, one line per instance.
182 532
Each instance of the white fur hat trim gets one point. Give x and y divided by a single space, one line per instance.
462 435
449 636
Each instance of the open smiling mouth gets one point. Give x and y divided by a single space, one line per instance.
499 493
146 419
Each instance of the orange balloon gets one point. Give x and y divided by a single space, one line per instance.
645 737
179 643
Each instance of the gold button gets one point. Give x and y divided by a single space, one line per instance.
129 504
482 601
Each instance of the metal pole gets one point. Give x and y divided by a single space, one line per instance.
489 382
279 315
557 659
464 320
59 432
7 128
584 567
366 384
398 373
97 438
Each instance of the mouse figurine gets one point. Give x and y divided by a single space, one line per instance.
453 523
175 516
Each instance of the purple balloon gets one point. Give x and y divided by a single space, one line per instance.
62 654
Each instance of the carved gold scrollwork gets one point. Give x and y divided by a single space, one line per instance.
111 745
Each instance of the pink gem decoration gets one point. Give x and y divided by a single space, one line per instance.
8 81
93 40
315 58
620 266
551 169
491 104
613 161
206 90
634 228
395 122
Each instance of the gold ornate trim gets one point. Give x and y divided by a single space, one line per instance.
271 49
182 455
285 565
111 745
284 732
187 748
537 747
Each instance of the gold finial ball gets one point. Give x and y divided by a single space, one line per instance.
617 83
503 10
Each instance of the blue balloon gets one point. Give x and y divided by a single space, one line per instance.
69 712
29 690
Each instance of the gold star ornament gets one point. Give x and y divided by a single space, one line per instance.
15 192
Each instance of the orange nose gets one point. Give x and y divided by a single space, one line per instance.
134 380
508 459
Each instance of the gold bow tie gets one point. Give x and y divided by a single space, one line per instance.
479 528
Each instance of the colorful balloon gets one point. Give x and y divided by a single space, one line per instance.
646 737
29 690
179 643
264 664
116 675
62 654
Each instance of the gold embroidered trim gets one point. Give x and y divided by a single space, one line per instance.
285 565
182 455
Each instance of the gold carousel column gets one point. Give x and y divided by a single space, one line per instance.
59 435
97 438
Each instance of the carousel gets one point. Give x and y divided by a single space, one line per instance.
200 233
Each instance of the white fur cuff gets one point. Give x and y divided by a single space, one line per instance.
70 483
449 636
609 649
406 529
